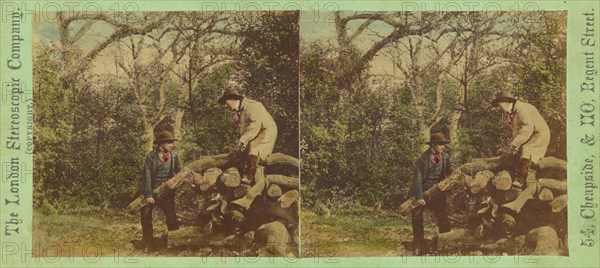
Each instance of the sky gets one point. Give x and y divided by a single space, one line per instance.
314 27
320 27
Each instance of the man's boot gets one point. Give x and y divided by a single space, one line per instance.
250 168
237 219
419 246
147 241
520 179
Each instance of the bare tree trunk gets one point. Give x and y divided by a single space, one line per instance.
149 133
424 135
178 120
453 131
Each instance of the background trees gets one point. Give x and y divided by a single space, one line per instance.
105 84
373 91
370 93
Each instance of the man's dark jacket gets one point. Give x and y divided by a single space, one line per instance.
428 173
152 165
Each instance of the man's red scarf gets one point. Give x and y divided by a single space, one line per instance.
165 156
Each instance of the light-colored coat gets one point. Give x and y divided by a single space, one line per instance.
257 128
530 131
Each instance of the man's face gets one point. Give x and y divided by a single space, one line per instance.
504 106
438 148
231 104
167 147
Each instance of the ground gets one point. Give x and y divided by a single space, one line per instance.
370 234
95 233
108 233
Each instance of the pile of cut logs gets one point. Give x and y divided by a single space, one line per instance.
505 219
268 208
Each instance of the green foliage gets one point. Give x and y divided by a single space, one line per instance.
209 127
542 75
359 141
269 71
91 129
89 144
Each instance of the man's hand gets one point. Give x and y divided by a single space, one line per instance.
241 146
509 149
421 202
150 200
513 149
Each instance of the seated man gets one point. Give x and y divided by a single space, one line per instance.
257 129
530 135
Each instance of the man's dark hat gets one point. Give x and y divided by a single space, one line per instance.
503 95
165 137
438 138
229 94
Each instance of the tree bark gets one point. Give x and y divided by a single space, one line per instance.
285 181
184 176
192 171
457 177
554 185
224 161
551 167
493 164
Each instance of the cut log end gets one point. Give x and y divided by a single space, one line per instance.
502 181
545 239
231 177
559 203
545 195
480 181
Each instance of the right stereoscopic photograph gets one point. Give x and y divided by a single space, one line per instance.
433 133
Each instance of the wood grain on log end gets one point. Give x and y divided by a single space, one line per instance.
559 203
231 177
480 181
545 195
502 180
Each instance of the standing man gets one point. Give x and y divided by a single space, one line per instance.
257 128
430 168
530 135
160 165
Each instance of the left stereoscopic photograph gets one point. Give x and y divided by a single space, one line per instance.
166 133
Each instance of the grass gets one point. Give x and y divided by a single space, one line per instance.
90 233
109 232
370 234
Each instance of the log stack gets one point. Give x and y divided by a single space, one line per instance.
271 202
505 218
